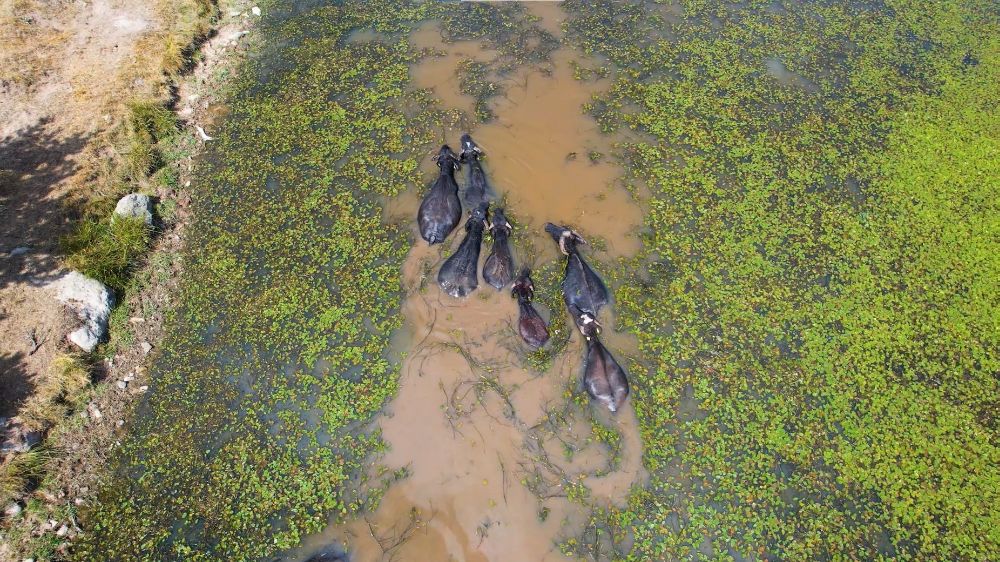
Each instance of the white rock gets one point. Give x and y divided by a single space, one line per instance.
136 320
91 301
13 510
63 531
120 423
255 10
146 347
95 413
121 385
143 388
201 133
129 377
135 205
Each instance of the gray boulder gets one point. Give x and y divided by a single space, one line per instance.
18 439
91 301
135 205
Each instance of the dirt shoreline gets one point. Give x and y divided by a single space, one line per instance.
52 173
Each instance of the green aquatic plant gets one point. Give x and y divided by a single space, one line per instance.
818 341
474 80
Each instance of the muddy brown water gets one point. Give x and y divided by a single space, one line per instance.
466 420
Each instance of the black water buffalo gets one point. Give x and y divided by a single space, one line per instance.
459 275
530 324
441 209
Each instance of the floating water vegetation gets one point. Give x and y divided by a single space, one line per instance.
814 303
824 244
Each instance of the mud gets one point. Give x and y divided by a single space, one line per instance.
496 453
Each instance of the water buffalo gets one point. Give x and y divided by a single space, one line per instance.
530 325
459 275
499 267
441 209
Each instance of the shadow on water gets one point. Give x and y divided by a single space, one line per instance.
499 454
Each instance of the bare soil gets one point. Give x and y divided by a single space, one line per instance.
66 65
67 70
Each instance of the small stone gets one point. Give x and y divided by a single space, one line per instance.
146 347
80 501
95 412
129 377
120 423
143 388
62 532
256 11
121 385
91 300
18 439
19 250
13 510
137 320
135 205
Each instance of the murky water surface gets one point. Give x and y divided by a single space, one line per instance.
489 471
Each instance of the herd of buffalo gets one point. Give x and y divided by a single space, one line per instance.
583 291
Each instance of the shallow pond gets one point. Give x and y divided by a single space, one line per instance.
742 173
470 419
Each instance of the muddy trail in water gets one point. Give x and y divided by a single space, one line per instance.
503 454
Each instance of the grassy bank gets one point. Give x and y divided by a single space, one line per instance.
134 143
817 277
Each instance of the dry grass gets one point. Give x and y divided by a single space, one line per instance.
18 473
115 91
57 394
29 46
